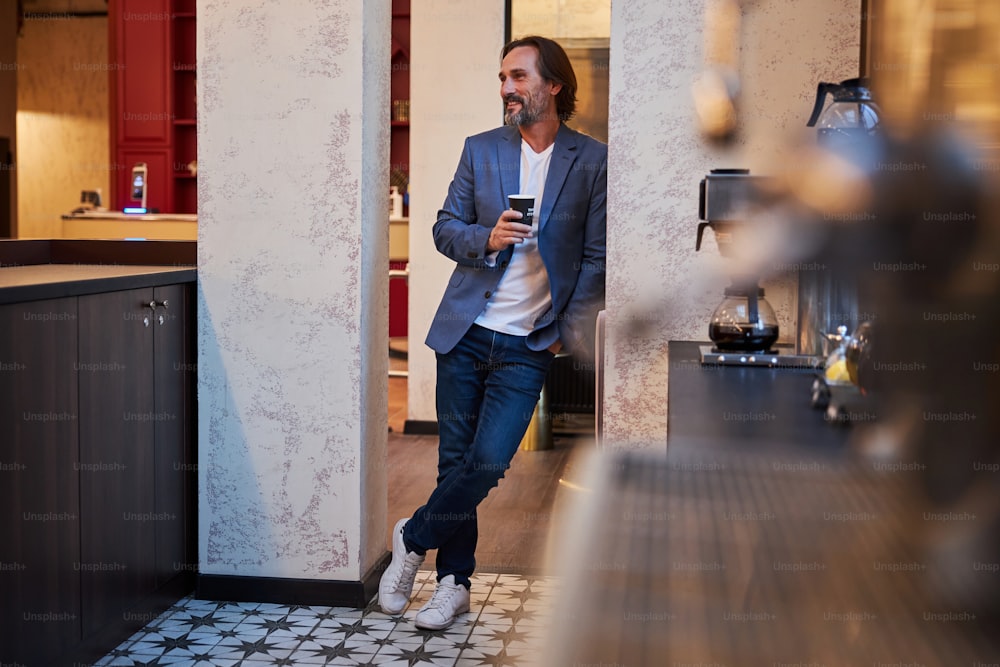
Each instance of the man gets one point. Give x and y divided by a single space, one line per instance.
518 295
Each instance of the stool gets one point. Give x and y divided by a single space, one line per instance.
539 433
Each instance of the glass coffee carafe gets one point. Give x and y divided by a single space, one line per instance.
744 321
852 118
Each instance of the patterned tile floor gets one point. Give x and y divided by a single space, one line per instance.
505 626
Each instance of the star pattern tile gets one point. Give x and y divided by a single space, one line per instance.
507 620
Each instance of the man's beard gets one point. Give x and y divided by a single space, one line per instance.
532 109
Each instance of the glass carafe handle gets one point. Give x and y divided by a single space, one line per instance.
701 231
821 92
753 316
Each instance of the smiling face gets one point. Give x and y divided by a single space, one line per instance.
527 96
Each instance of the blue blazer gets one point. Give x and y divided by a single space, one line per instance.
571 240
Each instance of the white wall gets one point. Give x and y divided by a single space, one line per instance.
659 288
62 119
454 60
293 140
558 19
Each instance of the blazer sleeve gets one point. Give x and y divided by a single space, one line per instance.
457 232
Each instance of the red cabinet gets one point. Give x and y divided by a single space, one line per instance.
399 150
153 107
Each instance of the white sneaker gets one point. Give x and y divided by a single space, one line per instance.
449 600
396 584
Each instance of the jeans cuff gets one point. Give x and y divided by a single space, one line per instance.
459 579
410 546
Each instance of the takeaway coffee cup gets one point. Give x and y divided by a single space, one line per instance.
525 205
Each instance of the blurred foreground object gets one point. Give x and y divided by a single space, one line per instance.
886 551
726 557
717 88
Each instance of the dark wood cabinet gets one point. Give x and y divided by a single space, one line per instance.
99 480
175 483
39 488
116 453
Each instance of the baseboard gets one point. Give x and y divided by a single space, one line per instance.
565 425
420 427
280 590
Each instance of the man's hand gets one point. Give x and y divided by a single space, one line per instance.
508 231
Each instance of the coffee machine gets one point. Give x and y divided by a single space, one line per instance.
743 327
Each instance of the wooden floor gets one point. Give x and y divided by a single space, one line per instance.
515 519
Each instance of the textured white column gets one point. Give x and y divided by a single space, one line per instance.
293 132
659 288
454 61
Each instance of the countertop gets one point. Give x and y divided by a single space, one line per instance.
132 217
744 409
33 270
764 537
117 225
53 281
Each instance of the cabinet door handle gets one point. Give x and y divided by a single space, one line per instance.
151 305
164 303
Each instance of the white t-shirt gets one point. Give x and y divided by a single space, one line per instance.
523 295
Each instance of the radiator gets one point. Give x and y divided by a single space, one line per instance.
570 384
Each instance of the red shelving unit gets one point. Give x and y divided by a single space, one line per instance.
399 148
154 118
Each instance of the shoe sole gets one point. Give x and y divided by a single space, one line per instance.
426 626
390 612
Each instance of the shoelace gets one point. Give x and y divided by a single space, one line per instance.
409 570
442 594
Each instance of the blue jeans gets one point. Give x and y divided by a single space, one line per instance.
487 389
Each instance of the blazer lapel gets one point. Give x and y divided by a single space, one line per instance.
509 162
563 156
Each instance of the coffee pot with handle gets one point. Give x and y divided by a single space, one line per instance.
851 119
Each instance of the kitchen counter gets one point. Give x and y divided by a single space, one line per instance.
743 409
33 270
53 281
140 217
399 238
764 537
118 225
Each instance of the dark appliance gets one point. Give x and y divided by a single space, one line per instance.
743 328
